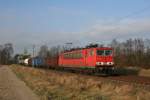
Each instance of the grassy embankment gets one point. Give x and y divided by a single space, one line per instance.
133 71
144 72
53 85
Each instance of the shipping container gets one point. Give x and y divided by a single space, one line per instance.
37 62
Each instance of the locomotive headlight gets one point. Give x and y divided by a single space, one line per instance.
102 63
105 63
110 63
99 63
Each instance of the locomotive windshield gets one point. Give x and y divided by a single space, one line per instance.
100 52
108 52
104 52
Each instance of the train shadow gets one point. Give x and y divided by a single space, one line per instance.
126 71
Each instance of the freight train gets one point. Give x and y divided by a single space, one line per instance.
95 58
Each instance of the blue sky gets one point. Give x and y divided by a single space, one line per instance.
53 22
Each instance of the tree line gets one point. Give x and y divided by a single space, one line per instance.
132 52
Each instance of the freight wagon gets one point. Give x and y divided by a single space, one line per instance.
38 62
51 62
96 58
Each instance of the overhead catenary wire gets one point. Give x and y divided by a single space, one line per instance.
130 15
113 29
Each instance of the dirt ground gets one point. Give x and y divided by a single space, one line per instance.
11 88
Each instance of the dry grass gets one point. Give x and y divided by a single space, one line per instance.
133 71
144 72
52 85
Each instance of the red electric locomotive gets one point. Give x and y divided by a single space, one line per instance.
96 57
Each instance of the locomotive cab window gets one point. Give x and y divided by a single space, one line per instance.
108 52
104 52
100 52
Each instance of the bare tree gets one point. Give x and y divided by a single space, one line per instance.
44 52
54 51
132 52
1 49
6 52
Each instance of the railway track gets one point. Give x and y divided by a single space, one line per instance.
138 81
135 80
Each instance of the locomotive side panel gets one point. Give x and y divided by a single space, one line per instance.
90 57
78 58
72 59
